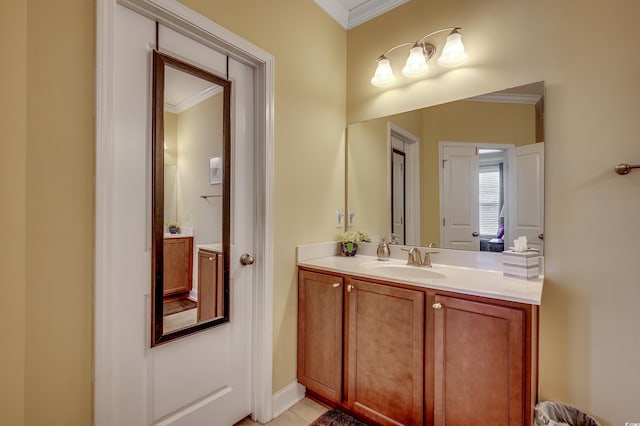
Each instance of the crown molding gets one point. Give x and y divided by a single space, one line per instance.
507 98
370 10
193 100
351 18
336 11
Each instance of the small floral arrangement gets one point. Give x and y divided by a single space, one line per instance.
350 240
172 225
355 237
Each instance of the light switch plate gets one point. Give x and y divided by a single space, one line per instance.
339 218
350 217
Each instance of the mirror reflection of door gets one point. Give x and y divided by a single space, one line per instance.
459 189
526 195
398 179
195 118
491 194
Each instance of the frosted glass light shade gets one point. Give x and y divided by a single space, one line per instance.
453 53
384 75
416 65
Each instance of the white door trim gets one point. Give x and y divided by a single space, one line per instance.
412 200
186 21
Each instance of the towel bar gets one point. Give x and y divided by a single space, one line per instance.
624 168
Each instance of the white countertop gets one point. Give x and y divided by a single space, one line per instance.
170 235
217 247
473 281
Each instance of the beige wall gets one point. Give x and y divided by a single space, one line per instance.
199 137
47 191
589 338
310 102
13 170
589 323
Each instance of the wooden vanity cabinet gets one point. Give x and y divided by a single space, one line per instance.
178 265
320 303
385 352
403 355
484 363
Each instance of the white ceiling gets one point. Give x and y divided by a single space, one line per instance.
350 13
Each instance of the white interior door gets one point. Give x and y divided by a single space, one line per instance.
204 378
398 196
459 189
526 195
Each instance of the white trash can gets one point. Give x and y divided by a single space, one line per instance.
550 413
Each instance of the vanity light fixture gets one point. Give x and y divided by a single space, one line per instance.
453 54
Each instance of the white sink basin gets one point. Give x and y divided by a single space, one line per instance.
400 271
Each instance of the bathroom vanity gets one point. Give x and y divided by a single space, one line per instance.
178 262
403 345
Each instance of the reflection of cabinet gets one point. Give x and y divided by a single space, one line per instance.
210 295
479 363
403 355
178 264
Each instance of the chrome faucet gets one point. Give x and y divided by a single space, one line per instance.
415 258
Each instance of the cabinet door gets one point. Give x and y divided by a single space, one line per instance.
320 333
386 353
479 363
178 263
209 285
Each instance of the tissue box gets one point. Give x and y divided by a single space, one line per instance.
520 264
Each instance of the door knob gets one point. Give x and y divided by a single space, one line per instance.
541 236
475 234
246 259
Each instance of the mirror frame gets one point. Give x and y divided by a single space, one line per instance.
157 198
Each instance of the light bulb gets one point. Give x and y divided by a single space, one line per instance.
384 75
416 65
453 53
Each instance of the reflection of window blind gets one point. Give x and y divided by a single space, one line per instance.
490 203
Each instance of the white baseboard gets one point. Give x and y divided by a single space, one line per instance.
287 397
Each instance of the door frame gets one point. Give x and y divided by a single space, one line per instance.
184 20
412 180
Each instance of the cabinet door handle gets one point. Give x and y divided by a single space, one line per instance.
349 288
335 285
437 306
211 258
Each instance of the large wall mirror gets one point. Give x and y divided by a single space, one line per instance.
468 174
191 199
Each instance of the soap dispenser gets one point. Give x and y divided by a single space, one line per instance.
383 250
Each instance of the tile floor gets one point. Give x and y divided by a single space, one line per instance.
301 414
